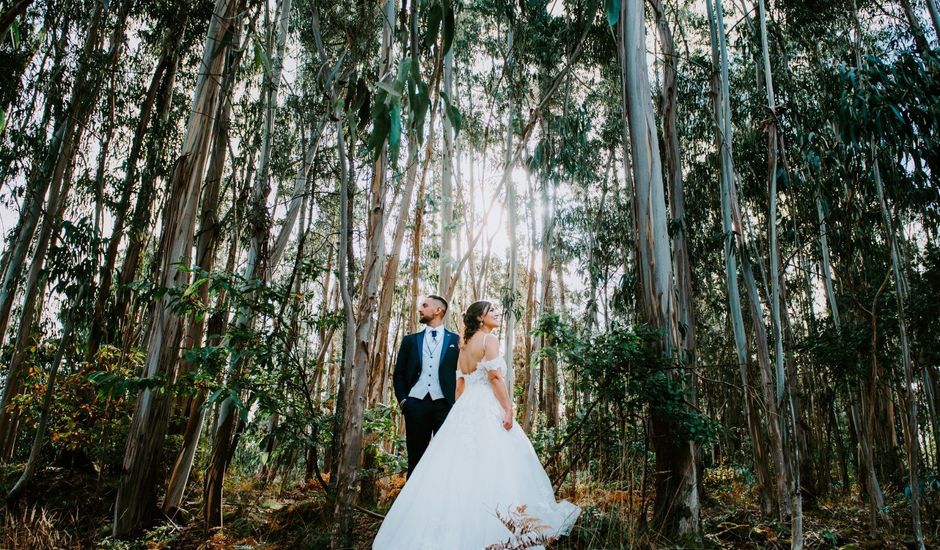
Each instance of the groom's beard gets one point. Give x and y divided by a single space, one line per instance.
424 319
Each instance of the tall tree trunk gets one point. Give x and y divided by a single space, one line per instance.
677 505
39 439
164 66
934 16
533 364
547 365
141 217
56 174
259 264
390 273
37 184
136 490
673 166
911 441
447 193
416 235
742 250
510 301
731 268
776 303
359 351
920 39
528 396
206 244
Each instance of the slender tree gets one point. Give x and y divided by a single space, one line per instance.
136 493
677 505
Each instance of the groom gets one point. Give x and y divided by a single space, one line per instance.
425 377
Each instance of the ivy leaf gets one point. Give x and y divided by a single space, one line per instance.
3 120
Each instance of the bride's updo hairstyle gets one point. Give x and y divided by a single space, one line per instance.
473 318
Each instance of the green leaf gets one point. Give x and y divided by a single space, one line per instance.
191 289
404 71
381 124
212 398
613 11
450 25
15 33
335 70
389 88
261 56
435 15
452 113
3 120
239 405
897 113
394 133
419 110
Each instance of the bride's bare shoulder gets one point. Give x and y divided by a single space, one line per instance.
490 346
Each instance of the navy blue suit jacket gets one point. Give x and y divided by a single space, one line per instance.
408 366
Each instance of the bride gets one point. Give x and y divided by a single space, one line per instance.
480 466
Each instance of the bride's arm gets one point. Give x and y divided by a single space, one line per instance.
502 395
460 382
498 382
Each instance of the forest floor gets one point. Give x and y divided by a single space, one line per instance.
66 508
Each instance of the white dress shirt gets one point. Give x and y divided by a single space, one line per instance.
432 349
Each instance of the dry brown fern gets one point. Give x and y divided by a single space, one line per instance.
527 531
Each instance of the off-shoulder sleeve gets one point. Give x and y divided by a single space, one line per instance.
497 363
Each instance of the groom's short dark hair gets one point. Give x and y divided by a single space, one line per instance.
441 300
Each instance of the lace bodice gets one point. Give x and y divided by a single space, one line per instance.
483 367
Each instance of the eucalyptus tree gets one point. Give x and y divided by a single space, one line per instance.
55 175
510 297
447 162
730 227
261 258
358 353
911 438
678 504
744 249
419 102
136 490
207 241
672 157
153 112
74 280
784 388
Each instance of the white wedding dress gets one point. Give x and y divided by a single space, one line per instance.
473 469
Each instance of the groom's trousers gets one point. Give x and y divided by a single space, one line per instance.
423 417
